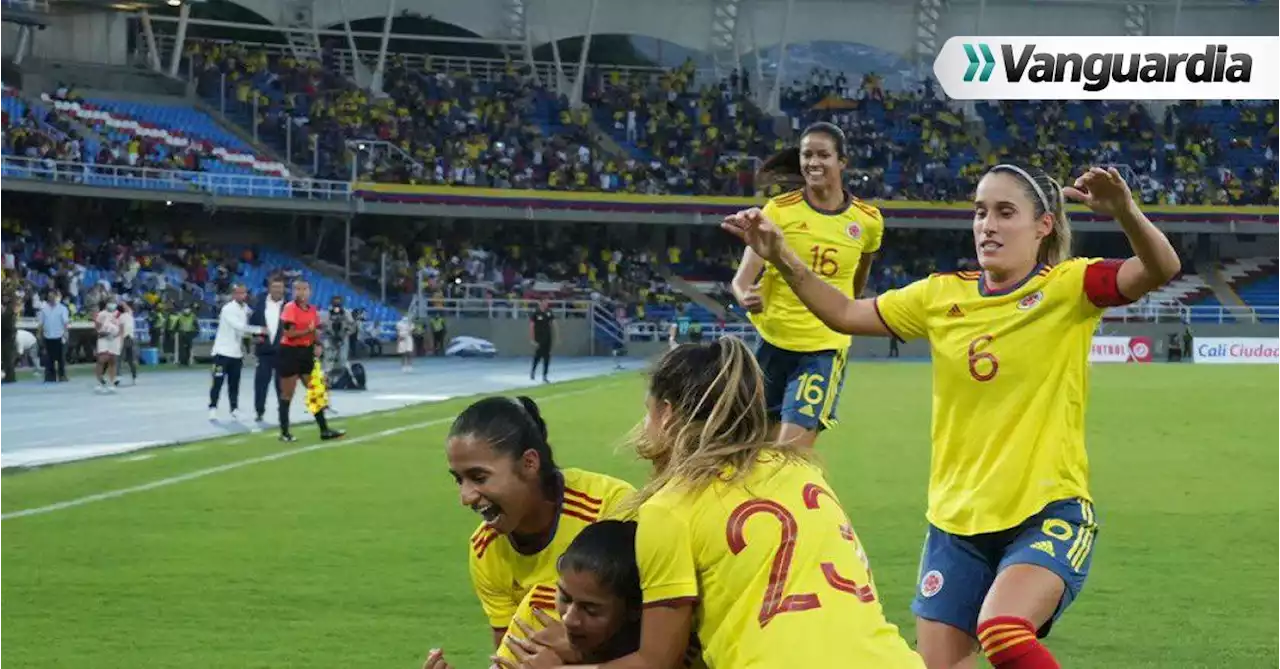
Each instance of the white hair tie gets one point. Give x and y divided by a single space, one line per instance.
1023 173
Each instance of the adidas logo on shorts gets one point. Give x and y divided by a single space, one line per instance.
1044 546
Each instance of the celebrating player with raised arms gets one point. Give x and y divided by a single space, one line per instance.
803 359
740 538
1011 522
531 509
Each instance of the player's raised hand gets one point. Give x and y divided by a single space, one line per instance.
757 231
1103 191
435 660
552 635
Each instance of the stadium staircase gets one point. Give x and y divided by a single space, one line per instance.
1254 280
323 287
713 309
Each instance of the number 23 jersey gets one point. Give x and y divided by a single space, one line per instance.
1010 383
832 244
774 569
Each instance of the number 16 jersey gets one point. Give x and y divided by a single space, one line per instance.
774 569
832 244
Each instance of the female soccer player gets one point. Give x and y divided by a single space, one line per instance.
593 612
1011 521
531 509
742 536
804 360
298 353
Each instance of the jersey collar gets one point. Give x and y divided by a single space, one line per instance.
535 548
848 202
986 292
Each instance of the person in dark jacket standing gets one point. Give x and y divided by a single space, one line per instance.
267 346
542 334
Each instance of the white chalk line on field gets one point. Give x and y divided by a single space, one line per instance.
210 471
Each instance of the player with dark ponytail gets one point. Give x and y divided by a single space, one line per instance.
803 359
532 509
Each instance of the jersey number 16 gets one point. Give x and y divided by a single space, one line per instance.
776 600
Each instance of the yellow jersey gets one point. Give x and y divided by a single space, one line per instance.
777 573
543 597
832 243
503 574
1010 383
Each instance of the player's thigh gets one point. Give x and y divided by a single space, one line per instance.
955 574
777 365
813 391
1045 565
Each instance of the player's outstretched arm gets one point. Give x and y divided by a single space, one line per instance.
838 312
1154 262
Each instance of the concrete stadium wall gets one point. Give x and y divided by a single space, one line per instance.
511 335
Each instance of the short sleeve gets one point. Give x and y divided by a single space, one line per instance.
904 310
1102 283
875 229
541 597
615 499
495 598
665 558
289 314
770 211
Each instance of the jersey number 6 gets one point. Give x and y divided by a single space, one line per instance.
776 601
990 364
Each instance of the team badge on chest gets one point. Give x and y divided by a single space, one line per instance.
854 230
1029 302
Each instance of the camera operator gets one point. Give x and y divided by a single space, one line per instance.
338 333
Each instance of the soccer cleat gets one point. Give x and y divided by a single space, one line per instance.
288 438
332 434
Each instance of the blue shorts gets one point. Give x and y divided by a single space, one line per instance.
802 388
957 571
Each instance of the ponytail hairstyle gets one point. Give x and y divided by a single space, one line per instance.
718 425
511 427
1046 195
783 168
607 549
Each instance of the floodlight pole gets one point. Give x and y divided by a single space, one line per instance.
149 38
179 42
775 95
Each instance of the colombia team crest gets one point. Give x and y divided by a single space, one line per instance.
1030 301
854 230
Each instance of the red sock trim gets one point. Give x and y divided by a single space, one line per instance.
1004 637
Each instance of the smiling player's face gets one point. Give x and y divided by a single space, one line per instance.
820 161
501 488
593 615
1006 232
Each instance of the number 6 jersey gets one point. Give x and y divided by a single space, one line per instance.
774 569
832 244
1010 382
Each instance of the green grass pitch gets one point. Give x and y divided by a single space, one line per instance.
354 556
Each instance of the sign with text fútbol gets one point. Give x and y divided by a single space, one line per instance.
1120 349
1236 350
1110 68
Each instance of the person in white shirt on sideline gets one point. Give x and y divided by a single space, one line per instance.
107 323
128 349
404 343
228 350
267 344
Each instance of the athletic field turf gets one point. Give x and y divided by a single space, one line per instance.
354 555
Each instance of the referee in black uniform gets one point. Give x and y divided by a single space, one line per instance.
542 333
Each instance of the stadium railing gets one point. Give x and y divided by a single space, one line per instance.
149 178
497 308
1191 314
485 69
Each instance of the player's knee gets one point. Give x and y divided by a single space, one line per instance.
942 646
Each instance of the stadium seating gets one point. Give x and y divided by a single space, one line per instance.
1255 281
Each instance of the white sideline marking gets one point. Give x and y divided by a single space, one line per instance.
209 471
